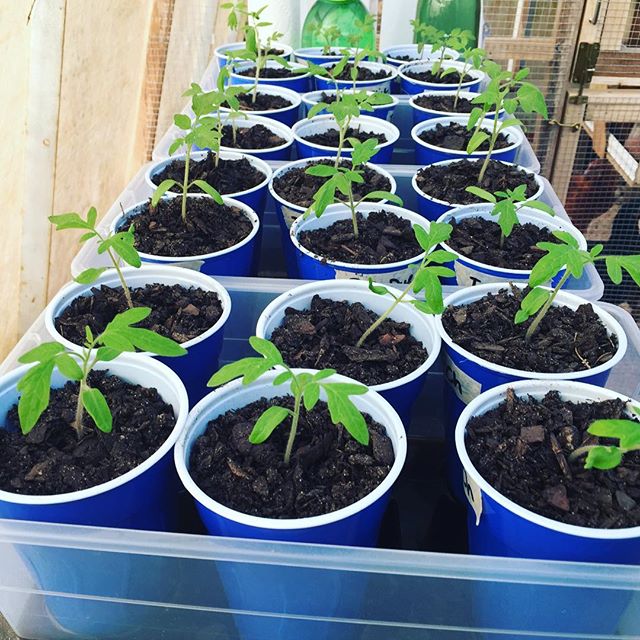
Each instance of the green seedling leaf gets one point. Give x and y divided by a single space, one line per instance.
531 304
603 458
311 395
377 289
41 353
267 423
477 139
68 366
162 188
266 349
209 190
322 170
617 264
90 275
344 412
384 195
483 194
182 121
96 405
626 431
34 388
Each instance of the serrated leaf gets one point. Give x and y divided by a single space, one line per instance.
234 370
41 353
630 264
266 349
90 275
147 340
69 221
507 216
344 412
35 389
68 366
267 423
532 100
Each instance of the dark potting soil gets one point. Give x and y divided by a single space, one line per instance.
331 137
444 103
383 237
455 136
264 102
328 470
178 312
269 72
255 137
436 78
449 182
405 58
230 176
210 227
565 341
51 460
298 187
523 448
324 337
364 73
479 239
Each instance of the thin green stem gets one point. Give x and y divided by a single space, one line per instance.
492 142
185 185
354 212
86 368
533 327
116 266
294 426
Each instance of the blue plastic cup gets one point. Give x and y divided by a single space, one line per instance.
300 82
287 115
320 124
433 208
315 55
194 368
430 154
382 86
382 111
411 86
255 198
224 53
287 212
393 54
422 114
467 375
237 260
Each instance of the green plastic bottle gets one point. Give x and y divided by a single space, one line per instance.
346 15
446 15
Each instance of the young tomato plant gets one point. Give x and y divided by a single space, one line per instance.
426 280
330 35
471 59
566 254
507 203
305 388
118 337
342 179
119 246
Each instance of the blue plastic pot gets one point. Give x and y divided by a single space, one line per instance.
287 115
392 54
299 82
432 208
383 85
382 111
421 114
237 260
430 154
255 198
224 52
287 212
470 272
468 376
320 124
401 393
194 369
412 86
315 55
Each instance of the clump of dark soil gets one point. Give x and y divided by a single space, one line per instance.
523 449
255 137
383 237
364 73
324 337
51 460
456 136
298 187
448 182
230 176
331 137
210 227
565 341
479 239
444 103
329 470
264 102
177 312
269 72
436 78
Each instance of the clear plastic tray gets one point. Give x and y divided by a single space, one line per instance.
412 591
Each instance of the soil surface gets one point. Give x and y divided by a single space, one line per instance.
298 187
255 137
178 312
329 470
324 337
331 137
565 341
269 72
455 136
230 176
436 78
449 182
364 73
444 103
264 102
383 237
210 227
405 58
479 239
523 448
51 460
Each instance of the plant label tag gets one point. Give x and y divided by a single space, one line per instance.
468 277
474 495
290 215
401 277
194 265
464 386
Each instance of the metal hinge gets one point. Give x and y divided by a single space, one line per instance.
584 67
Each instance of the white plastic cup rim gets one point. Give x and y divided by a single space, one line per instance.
272 90
316 52
222 50
336 290
454 205
412 50
312 98
372 403
570 390
273 125
306 161
430 92
392 73
470 294
525 214
270 63
145 368
426 65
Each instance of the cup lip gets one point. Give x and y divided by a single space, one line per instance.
270 89
277 81
483 210
375 66
220 51
476 74
316 52
276 127
305 161
143 363
73 290
470 294
537 388
375 405
431 92
454 205
130 212
308 98
328 287
389 51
